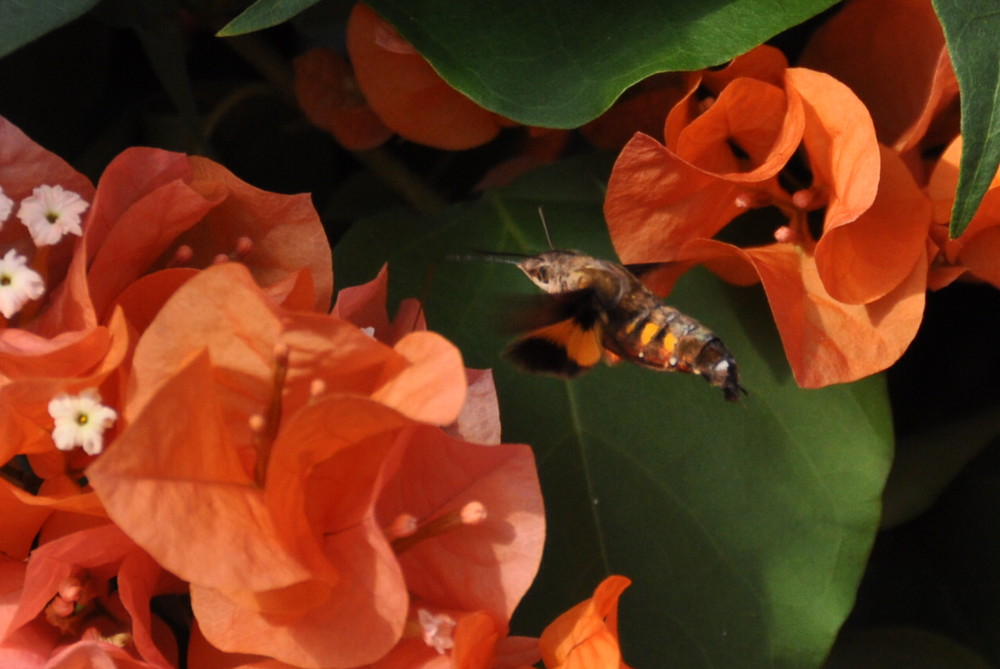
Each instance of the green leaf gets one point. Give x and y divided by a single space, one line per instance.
156 23
927 461
560 63
745 527
956 555
910 648
970 30
27 20
264 14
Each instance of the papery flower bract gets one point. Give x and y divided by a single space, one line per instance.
364 305
329 96
79 569
295 565
156 219
976 253
201 653
51 213
82 359
477 638
21 525
480 568
912 99
19 284
479 420
6 206
23 166
62 502
476 642
488 565
157 210
843 306
586 636
412 99
96 655
80 420
406 92
314 582
153 210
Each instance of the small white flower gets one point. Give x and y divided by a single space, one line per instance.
437 629
6 206
81 421
18 283
51 212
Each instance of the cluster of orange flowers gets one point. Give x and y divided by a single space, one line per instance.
182 415
840 156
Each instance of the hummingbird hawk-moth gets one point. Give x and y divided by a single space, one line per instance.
597 309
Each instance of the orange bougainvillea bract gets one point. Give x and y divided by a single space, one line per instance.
335 482
205 453
587 635
843 307
328 95
407 94
976 254
319 563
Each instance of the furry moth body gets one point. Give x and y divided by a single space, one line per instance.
599 309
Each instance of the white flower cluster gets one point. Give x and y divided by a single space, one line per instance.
49 213
80 420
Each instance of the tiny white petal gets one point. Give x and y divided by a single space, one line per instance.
370 331
80 420
6 206
52 212
437 629
19 283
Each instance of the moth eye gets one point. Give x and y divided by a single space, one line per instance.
543 274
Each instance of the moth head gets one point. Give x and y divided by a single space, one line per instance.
555 271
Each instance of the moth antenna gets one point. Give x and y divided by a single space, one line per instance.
545 227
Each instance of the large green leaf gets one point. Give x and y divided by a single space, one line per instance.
26 20
961 550
745 527
970 30
264 14
901 647
926 463
560 63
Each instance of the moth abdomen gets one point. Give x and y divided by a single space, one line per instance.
663 338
